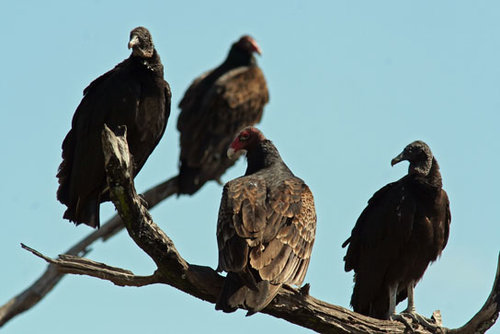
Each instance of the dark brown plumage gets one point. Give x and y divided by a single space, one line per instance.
266 227
402 230
213 109
133 94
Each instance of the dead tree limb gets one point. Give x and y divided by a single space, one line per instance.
488 314
49 279
293 305
70 264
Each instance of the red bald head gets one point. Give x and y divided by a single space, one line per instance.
247 43
247 138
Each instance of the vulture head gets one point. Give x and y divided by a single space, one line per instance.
141 43
247 139
419 155
247 44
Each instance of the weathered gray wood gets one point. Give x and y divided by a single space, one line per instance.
70 264
49 279
488 314
290 304
293 305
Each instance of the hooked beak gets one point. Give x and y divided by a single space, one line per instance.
232 154
256 47
133 41
258 50
398 159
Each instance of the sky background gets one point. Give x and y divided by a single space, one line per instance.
351 84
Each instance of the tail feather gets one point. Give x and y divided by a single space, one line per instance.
232 294
78 211
368 300
374 303
235 294
65 168
84 213
190 180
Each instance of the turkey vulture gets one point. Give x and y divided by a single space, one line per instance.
266 227
133 94
216 105
403 229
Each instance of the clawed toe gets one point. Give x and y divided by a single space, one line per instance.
405 315
401 318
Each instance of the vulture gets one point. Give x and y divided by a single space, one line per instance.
214 108
403 229
133 94
266 227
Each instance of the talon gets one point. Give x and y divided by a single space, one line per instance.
401 318
420 319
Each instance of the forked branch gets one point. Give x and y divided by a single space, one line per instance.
49 279
293 305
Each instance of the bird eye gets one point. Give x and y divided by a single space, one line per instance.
244 137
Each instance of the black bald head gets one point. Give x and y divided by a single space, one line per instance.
141 43
419 155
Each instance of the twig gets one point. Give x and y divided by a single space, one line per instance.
203 282
49 279
293 305
70 264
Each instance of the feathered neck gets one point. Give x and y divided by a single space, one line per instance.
263 155
238 57
432 175
153 63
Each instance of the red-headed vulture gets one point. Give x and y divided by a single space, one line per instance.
266 227
214 108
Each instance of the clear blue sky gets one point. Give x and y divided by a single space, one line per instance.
351 84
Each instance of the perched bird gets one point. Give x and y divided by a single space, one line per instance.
133 94
214 108
266 227
403 229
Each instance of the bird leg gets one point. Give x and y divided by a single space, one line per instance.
393 292
411 312
411 299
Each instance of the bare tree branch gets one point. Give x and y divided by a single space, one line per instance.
488 314
71 264
49 279
293 305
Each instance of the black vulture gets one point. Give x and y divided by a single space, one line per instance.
403 229
133 94
266 227
214 108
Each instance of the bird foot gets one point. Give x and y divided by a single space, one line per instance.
410 314
401 318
